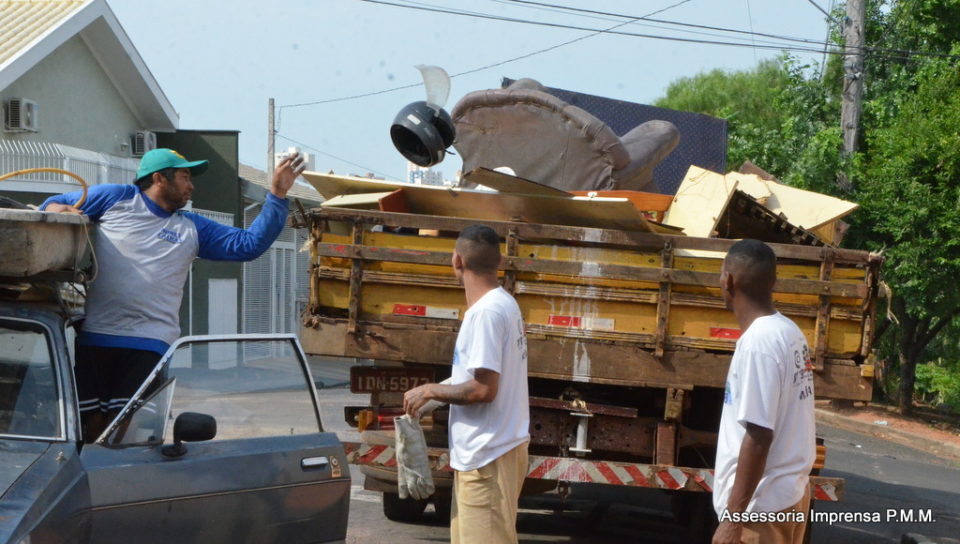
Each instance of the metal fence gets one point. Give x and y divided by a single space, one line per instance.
276 285
95 167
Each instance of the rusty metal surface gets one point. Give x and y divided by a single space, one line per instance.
593 408
597 270
744 217
533 231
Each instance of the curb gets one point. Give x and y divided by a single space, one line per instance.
940 449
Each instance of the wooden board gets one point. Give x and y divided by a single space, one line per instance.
505 183
700 201
563 358
365 201
333 185
605 213
645 202
802 208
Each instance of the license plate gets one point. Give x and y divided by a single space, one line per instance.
367 379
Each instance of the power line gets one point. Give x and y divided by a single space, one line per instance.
332 156
887 52
595 32
659 24
825 12
752 33
575 27
892 54
667 22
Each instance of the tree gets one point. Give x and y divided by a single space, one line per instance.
907 174
909 192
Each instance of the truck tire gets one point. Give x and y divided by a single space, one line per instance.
403 510
443 507
694 512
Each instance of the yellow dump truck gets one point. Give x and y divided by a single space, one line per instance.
629 342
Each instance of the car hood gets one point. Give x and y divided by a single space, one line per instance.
15 459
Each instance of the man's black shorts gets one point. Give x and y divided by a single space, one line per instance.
108 377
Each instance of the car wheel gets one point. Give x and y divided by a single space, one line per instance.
407 510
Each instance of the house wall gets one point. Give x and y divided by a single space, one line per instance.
79 105
218 190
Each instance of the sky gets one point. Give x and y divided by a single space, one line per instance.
220 61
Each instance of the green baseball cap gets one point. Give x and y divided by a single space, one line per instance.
159 159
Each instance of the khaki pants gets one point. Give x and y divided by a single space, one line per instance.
484 508
779 533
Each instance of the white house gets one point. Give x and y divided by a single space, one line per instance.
76 95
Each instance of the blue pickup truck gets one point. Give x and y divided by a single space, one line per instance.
222 443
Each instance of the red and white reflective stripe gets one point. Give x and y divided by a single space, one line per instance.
672 478
418 310
571 469
720 332
705 479
385 456
825 492
581 322
366 454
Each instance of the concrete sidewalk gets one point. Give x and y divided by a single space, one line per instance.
945 450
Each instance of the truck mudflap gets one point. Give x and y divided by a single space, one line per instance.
574 470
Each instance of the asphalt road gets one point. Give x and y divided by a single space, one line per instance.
880 475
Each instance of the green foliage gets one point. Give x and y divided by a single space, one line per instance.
909 191
939 384
906 175
744 96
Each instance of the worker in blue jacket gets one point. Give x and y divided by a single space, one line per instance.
144 248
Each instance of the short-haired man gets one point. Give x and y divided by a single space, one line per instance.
766 446
144 247
490 415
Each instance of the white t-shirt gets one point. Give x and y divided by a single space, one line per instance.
770 384
490 337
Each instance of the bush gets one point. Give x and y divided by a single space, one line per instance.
939 385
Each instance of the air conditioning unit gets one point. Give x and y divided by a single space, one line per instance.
143 141
22 115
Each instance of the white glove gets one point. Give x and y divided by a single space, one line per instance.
413 465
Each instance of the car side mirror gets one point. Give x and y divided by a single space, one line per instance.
190 427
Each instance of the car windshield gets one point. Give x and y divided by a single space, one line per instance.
253 387
29 394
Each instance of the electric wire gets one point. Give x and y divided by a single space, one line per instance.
595 32
753 38
888 52
332 156
659 26
873 52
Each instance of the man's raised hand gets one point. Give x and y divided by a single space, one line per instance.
286 173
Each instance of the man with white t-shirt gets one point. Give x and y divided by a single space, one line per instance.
489 412
766 446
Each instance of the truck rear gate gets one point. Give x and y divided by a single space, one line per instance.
628 337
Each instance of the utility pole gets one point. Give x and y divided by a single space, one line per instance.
853 36
271 141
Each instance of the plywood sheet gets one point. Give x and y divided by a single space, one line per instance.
606 213
505 183
645 202
333 185
365 201
700 201
805 209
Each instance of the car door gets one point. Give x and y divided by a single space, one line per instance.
269 475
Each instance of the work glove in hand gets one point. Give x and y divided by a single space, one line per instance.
413 465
